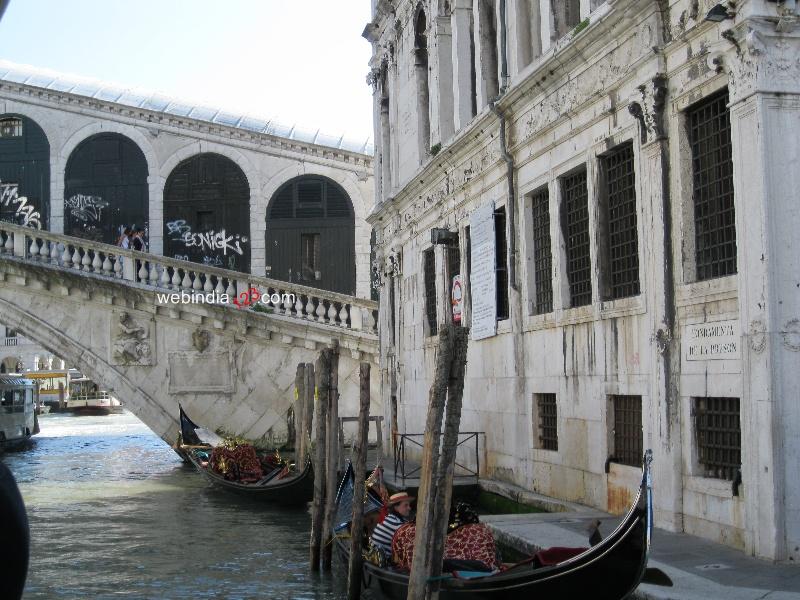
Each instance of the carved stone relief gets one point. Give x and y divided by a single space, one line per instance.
132 340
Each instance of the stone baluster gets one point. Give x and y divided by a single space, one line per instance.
66 257
153 276
275 301
372 322
320 310
176 278
332 313
344 315
76 258
108 268
230 290
44 251
86 262
141 274
186 282
33 249
118 267
9 245
310 308
219 289
299 308
54 253
207 287
287 303
165 278
97 264
197 284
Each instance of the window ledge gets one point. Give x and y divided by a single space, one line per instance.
542 321
579 314
504 326
623 307
719 488
710 290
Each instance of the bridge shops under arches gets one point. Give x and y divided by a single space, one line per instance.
207 213
310 235
105 188
24 172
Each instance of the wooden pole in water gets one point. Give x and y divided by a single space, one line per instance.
443 478
417 580
356 559
322 371
331 457
300 415
309 408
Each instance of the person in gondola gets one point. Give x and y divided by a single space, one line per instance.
399 513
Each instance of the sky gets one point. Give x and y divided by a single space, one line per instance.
297 61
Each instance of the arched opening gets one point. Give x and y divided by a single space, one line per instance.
207 213
11 364
310 236
105 188
423 90
24 172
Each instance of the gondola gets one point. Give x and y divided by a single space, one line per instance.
610 570
296 489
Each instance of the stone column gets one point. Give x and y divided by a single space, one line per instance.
461 20
764 88
442 89
486 53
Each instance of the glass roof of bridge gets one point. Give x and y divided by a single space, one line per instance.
138 98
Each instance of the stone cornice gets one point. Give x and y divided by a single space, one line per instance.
150 118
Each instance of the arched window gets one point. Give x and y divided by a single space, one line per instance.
310 236
207 213
24 172
105 188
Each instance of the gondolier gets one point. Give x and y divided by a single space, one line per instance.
399 513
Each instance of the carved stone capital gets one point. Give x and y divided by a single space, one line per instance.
647 107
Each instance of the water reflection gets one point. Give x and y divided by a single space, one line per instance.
115 514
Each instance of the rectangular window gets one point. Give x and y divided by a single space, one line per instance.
628 439
10 128
310 248
719 437
453 269
547 416
575 225
712 187
429 268
542 253
501 262
622 240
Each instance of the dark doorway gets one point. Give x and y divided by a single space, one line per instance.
24 172
105 188
310 236
207 213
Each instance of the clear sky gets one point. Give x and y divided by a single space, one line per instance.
299 61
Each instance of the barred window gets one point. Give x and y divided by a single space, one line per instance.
501 262
542 253
11 127
628 438
429 266
712 169
623 240
719 437
546 410
453 269
575 225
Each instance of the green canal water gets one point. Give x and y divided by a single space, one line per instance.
114 513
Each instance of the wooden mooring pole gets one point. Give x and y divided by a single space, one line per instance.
309 408
438 457
360 467
322 371
331 457
300 415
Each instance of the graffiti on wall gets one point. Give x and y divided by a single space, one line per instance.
207 240
25 213
87 209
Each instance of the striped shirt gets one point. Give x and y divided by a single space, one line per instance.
384 532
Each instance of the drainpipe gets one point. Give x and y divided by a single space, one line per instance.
511 204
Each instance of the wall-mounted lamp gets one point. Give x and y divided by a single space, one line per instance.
717 14
443 236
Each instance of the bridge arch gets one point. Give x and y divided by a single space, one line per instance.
207 212
25 162
105 187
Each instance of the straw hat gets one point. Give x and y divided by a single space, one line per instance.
399 497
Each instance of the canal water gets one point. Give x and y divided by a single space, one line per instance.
114 513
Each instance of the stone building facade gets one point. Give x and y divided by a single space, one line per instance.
615 184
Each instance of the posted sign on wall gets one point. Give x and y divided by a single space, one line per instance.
712 341
482 273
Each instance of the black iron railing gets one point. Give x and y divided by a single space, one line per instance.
403 469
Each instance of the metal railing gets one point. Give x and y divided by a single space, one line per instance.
178 276
10 341
415 440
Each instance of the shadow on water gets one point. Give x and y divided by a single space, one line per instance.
114 513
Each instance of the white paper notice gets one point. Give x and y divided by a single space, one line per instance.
483 282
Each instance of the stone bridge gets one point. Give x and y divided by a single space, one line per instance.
142 326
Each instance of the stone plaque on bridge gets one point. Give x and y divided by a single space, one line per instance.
199 372
718 340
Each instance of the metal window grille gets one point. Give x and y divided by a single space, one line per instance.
547 412
719 437
429 267
542 253
453 261
575 221
712 167
10 128
623 239
628 443
501 258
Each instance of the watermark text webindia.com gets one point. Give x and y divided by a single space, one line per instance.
244 299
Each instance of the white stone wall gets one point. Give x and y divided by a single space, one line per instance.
567 104
165 140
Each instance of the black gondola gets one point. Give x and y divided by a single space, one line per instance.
610 570
296 489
